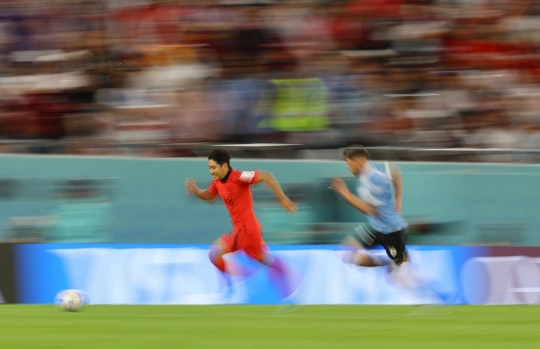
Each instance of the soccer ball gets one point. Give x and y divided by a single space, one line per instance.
71 300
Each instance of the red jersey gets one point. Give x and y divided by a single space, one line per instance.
235 192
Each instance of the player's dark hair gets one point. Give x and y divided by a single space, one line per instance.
355 151
220 156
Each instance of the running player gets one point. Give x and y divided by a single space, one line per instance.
381 203
233 186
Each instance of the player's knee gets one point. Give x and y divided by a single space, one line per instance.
359 258
400 257
264 258
397 253
215 251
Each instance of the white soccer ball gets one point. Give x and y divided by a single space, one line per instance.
71 300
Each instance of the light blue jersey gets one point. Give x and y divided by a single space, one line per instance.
376 189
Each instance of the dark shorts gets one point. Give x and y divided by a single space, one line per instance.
393 243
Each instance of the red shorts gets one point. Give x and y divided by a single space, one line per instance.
247 237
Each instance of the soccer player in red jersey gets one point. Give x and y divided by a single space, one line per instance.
233 186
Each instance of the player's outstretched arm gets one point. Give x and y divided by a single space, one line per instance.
341 188
191 187
271 181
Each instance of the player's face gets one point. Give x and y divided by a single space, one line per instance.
354 165
218 172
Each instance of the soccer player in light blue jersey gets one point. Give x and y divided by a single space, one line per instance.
379 197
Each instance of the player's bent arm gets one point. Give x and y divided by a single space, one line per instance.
359 204
204 194
271 181
191 187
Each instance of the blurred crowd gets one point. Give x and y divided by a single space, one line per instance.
100 74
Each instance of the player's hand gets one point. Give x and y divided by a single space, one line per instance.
191 186
339 186
288 204
398 206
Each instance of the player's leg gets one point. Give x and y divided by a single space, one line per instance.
218 249
409 276
254 246
257 249
228 269
394 244
355 251
226 243
265 257
279 273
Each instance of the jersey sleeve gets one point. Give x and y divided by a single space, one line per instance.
247 177
212 188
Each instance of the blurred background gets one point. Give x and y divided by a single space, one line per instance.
106 106
164 77
443 81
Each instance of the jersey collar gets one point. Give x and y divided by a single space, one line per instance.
227 175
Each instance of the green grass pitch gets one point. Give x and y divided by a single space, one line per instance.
261 327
